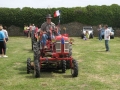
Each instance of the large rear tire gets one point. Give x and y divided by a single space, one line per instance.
37 69
33 39
36 60
74 69
28 65
32 44
36 51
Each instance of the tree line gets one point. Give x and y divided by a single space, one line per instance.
90 15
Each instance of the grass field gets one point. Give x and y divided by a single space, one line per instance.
98 70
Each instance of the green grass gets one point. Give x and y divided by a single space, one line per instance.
98 70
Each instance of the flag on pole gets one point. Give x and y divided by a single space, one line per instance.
57 13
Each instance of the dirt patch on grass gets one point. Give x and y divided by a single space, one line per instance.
16 64
99 78
104 79
79 61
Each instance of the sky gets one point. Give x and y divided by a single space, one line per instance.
54 3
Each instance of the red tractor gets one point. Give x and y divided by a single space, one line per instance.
58 55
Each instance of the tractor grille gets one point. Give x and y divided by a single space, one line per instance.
66 46
58 46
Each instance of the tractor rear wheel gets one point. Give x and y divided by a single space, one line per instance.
36 51
36 69
74 69
63 62
33 39
32 44
28 65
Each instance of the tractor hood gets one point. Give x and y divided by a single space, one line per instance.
60 37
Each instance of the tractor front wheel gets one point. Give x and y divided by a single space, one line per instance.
28 65
74 69
63 62
36 69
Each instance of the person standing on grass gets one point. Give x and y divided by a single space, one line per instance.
30 29
107 34
6 33
27 31
2 42
100 32
33 30
6 38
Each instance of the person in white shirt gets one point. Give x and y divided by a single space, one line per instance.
32 31
107 34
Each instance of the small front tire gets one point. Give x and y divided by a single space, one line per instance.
63 62
74 69
28 65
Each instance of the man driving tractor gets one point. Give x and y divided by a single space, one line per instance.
45 28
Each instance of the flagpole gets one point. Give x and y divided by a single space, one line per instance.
59 19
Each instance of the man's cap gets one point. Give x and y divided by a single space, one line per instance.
49 16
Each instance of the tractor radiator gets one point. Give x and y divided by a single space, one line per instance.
58 46
66 47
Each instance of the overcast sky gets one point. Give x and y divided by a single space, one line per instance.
54 3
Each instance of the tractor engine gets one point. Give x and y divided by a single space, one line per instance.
61 46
